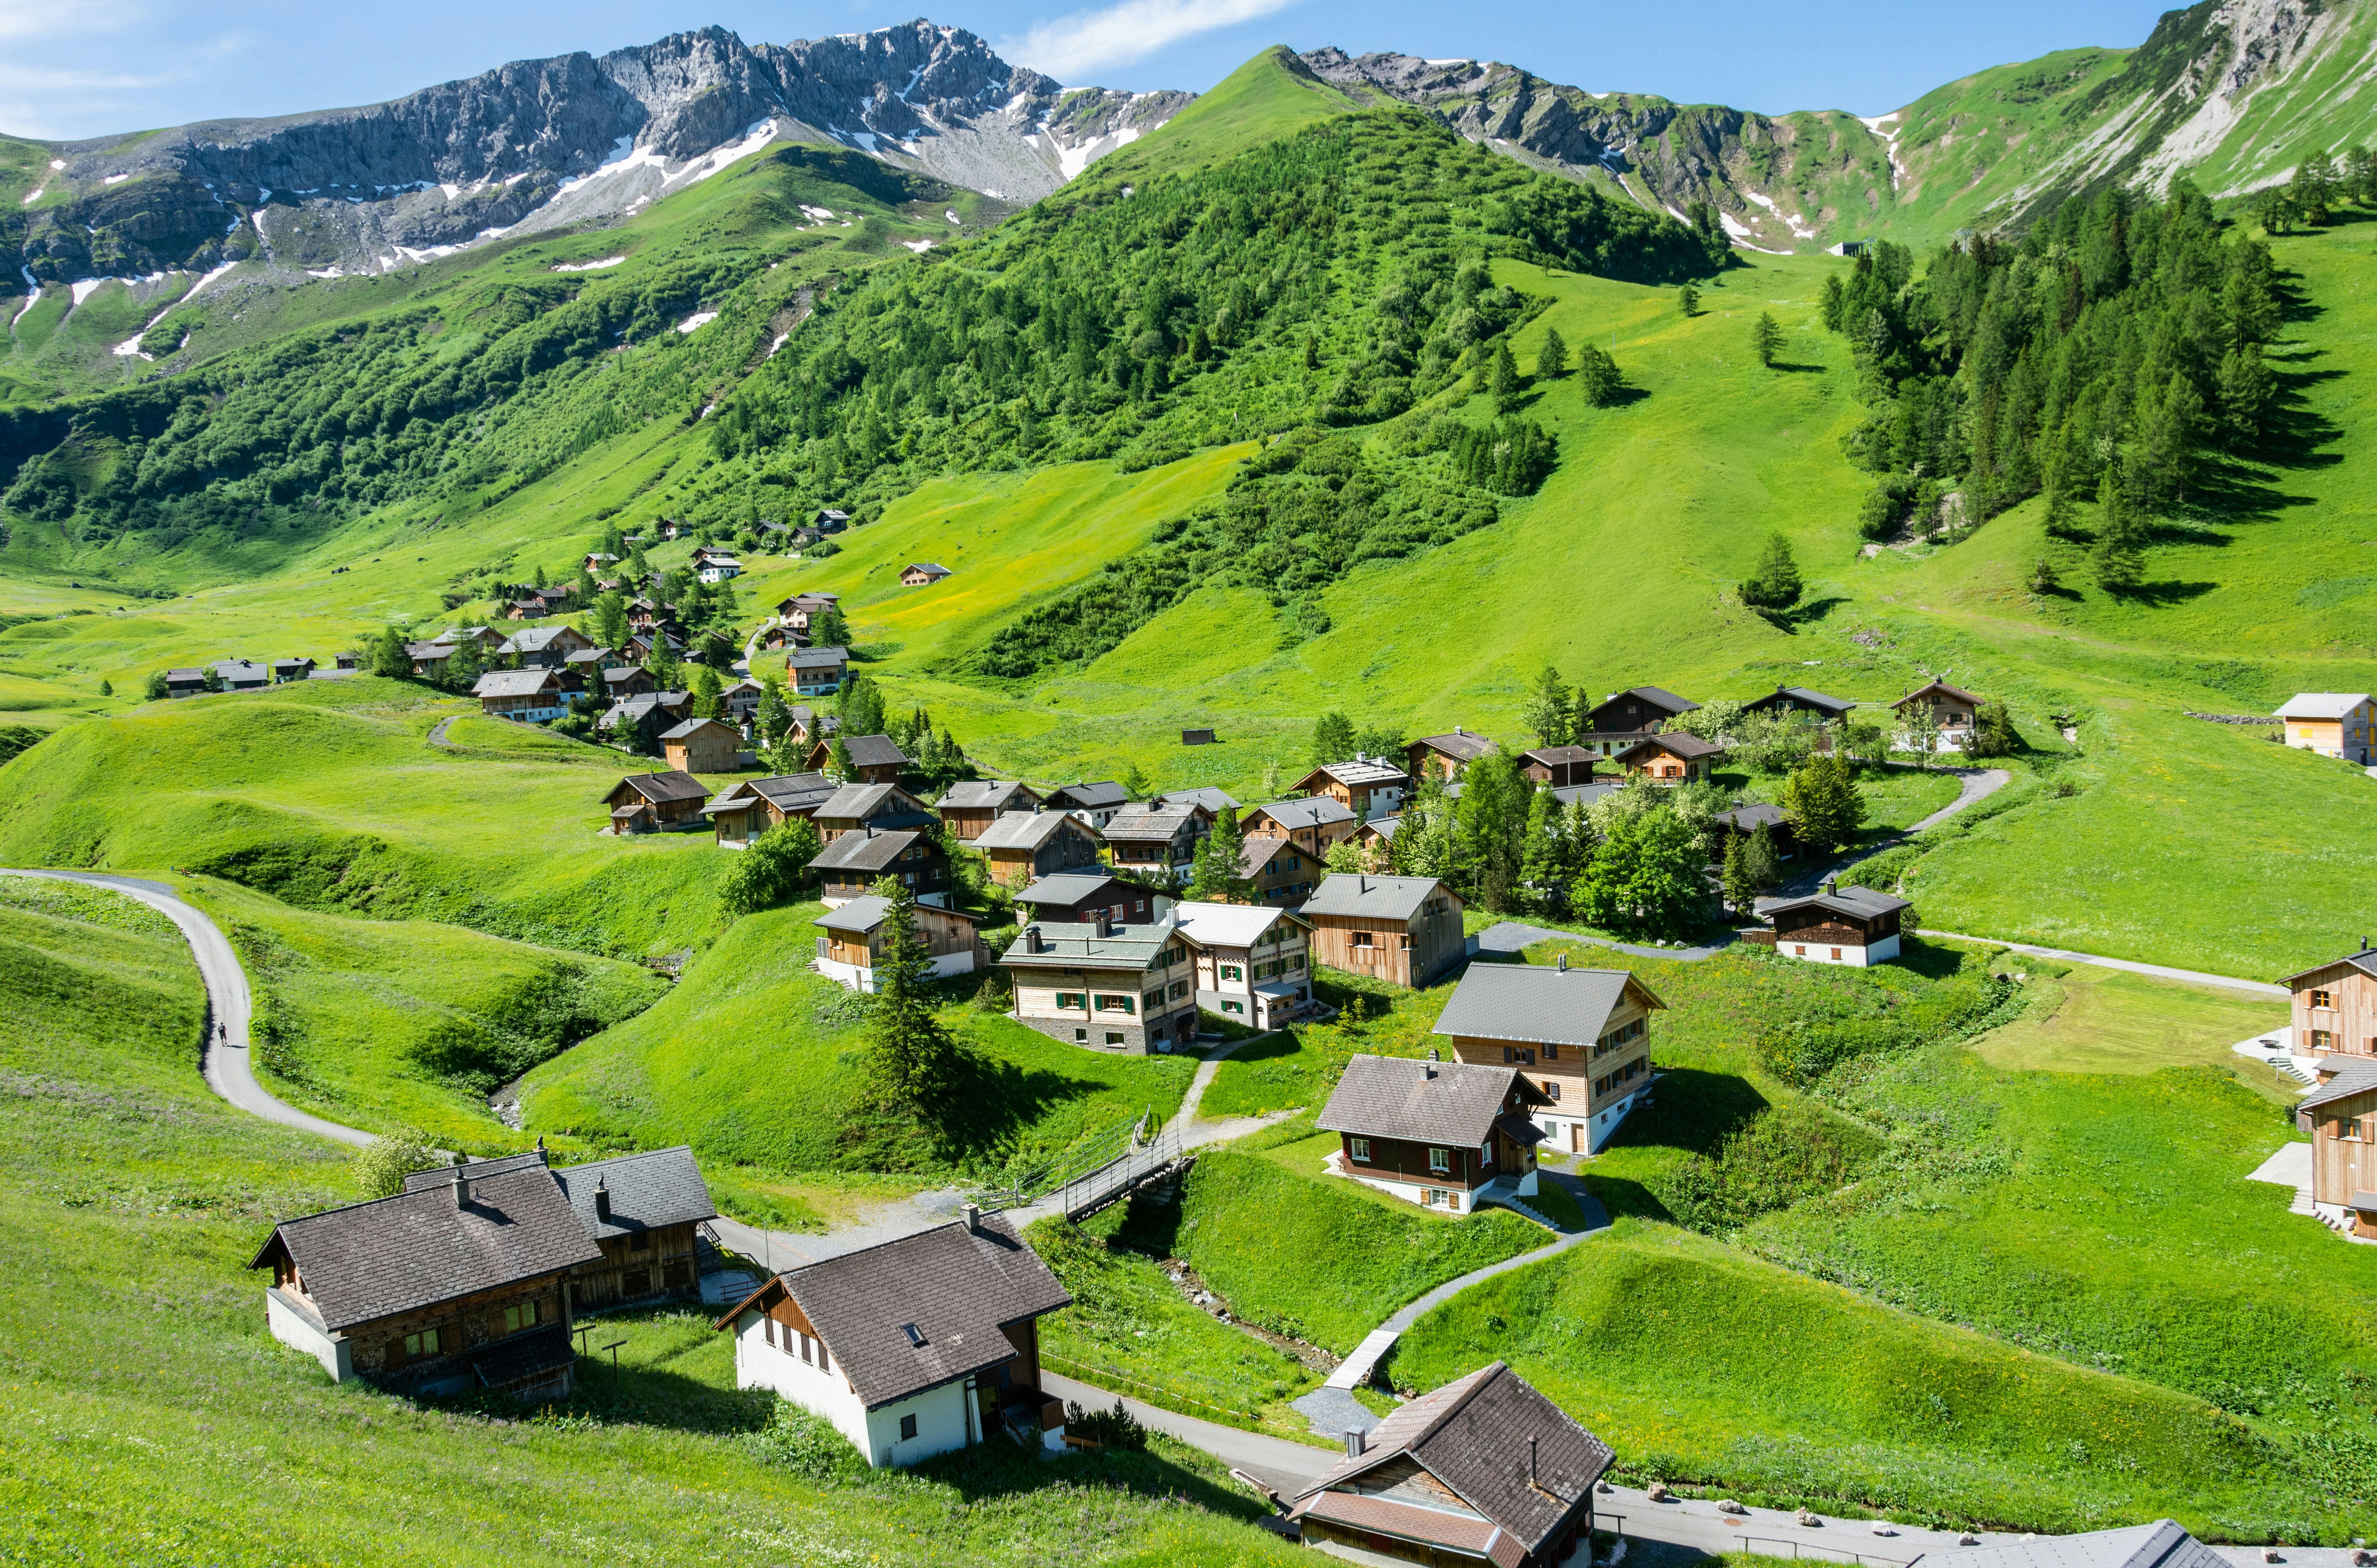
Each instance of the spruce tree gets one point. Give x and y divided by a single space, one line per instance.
1599 376
1217 876
1760 861
1773 585
2117 558
1332 738
911 1063
1551 360
1822 804
1503 380
1688 300
1766 338
388 659
1738 891
1549 710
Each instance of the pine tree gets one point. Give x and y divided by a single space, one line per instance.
1551 360
2042 577
1688 300
2313 190
1547 710
1492 815
388 659
611 619
1332 738
1822 803
1834 300
1760 861
464 665
1774 586
911 1063
705 690
1599 376
1217 878
1766 338
1738 891
1503 380
2118 557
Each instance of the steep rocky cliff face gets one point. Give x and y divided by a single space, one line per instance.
540 143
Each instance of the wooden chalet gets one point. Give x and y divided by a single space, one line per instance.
534 696
2333 723
1253 963
1952 706
2340 1115
639 721
456 1285
2336 1007
1671 759
1075 898
970 807
1277 871
1484 1471
739 703
1857 926
1433 1133
920 574
850 866
1558 767
1367 786
1128 988
744 810
542 647
702 746
855 933
642 1210
1445 755
1583 1037
874 758
1744 820
1023 846
286 670
627 680
1093 803
1404 930
1625 717
1157 839
855 808
814 672
645 803
1315 824
912 1347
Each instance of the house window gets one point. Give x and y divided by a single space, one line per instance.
1114 1037
1359 1148
426 1343
907 1427
519 1317
1081 1037
1154 999
1836 955
1078 1001
1179 989
1234 1007
1551 1053
1232 972
1509 1055
1799 949
1440 1159
2322 999
1107 1003
1360 938
1406 941
2323 1040
767 1327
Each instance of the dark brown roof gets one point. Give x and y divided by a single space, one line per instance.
1656 695
1801 696
1089 797
418 1249
956 1288
1472 1435
873 751
1956 692
1463 746
661 788
646 1191
1452 1103
863 852
1674 743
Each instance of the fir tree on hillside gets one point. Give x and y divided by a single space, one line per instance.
1773 585
1332 738
1599 376
464 665
1551 359
388 659
1688 300
1503 380
1549 710
2118 557
1766 338
1822 802
610 617
1216 877
1492 817
911 1063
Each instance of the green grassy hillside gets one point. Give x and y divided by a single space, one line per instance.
143 1335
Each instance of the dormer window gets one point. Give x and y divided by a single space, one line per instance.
915 1336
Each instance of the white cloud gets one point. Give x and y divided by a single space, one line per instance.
1121 34
62 19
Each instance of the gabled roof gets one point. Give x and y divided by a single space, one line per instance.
660 787
861 916
929 568
986 795
1801 695
1474 1436
816 658
789 792
1940 687
1653 695
646 1191
1207 795
1096 796
1452 1103
859 802
1147 824
514 683
370 1260
1857 904
1067 944
1674 743
873 751
2321 704
1462 746
1749 819
1569 794
692 728
1560 756
537 639
1066 890
957 1289
1538 1003
1375 898
2163 1544
2365 961
1231 925
864 852
2354 1075
1359 774
1311 811
1028 829
1255 850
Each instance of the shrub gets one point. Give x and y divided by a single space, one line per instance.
771 872
387 1160
807 1444
1117 1428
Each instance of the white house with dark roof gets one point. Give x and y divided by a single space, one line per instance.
1581 1035
1441 1134
1093 803
914 1348
1852 925
1125 987
855 934
1254 964
1483 1470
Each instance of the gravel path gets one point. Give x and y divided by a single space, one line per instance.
225 1057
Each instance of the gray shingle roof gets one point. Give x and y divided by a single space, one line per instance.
986 795
1833 705
1569 794
1472 1435
1026 830
1466 746
816 658
1211 798
1676 743
858 802
1091 796
2357 1076
1749 819
864 852
1361 771
1452 1103
788 792
660 787
1313 811
1857 904
1657 696
647 1191
536 639
1066 944
873 751
417 1249
860 914
1067 889
694 726
1955 693
1535 1002
1141 824
2163 1544
2365 961
1377 898
513 683
958 1288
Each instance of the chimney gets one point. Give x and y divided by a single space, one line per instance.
974 1218
1105 918
1833 885
1032 939
1364 879
1564 963
542 1157
1428 1068
602 1200
1457 730
462 1183
1354 1445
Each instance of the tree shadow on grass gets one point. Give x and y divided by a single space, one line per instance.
1690 1110
1808 614
998 1467
993 1100
1788 368
2160 593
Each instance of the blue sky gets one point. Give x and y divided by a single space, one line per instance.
75 68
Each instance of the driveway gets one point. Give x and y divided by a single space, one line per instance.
224 1056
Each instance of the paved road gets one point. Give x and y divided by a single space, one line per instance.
437 731
2160 971
225 1058
1286 1466
1979 785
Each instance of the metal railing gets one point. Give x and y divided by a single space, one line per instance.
1092 1190
1085 1157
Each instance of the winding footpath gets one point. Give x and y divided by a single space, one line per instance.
224 1055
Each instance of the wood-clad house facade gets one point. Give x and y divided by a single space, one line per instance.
2340 1115
1583 1037
1433 1133
2335 1006
1404 930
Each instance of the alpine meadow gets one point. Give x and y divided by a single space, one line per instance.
816 802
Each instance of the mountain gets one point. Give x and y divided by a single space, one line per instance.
2230 91
540 145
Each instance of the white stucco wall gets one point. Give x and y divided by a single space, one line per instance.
941 1425
1852 956
294 1329
941 1418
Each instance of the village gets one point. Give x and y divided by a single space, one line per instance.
1169 923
